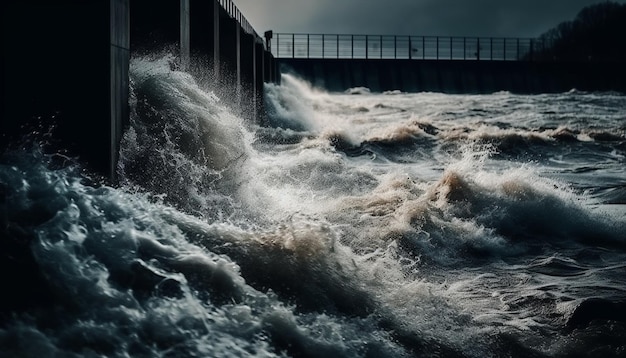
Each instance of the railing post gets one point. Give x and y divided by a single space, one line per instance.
464 48
278 45
451 38
308 50
517 51
367 47
531 54
491 48
380 43
323 46
395 47
293 45
504 48
437 44
410 48
423 48
351 46
478 49
337 46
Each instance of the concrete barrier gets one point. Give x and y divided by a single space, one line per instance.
65 66
160 26
457 76
65 71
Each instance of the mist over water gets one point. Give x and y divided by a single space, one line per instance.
354 224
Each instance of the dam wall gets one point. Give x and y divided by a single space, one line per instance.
65 67
65 76
449 64
457 76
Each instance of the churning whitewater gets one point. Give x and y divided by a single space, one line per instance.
349 224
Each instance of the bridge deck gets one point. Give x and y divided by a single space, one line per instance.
292 45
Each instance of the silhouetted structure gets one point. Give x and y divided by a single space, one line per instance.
65 73
336 46
65 66
588 53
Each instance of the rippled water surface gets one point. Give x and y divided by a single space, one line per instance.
347 225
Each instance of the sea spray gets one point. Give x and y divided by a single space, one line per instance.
182 142
350 226
125 273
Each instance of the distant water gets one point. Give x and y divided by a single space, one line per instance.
349 225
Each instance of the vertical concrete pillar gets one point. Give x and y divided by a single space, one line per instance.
216 40
255 61
202 41
247 78
65 71
259 64
276 69
267 70
273 68
185 32
272 71
238 70
119 79
229 47
160 26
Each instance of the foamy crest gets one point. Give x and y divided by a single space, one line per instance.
182 141
120 272
295 105
350 226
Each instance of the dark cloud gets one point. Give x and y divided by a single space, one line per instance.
520 18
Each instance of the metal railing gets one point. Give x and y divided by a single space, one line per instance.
234 12
406 47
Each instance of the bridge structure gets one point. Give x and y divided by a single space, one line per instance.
451 64
337 46
65 66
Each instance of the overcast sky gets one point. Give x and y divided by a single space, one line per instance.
510 18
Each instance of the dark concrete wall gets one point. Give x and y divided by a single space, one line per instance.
202 43
65 70
185 34
65 67
156 26
228 45
247 69
457 76
119 83
259 65
271 70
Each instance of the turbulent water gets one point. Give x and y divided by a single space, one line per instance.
347 225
